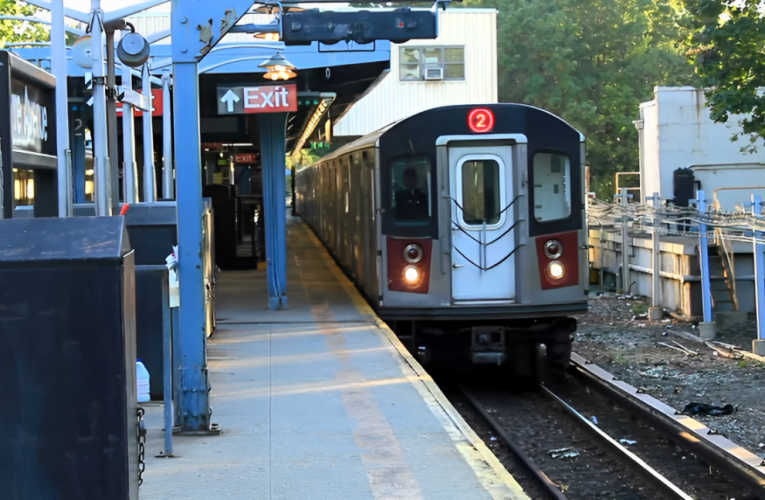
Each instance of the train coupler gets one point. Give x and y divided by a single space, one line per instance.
488 345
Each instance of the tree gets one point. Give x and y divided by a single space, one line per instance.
726 42
20 31
591 62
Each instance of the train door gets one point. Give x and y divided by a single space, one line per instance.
482 220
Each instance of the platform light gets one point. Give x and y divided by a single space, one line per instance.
268 36
279 68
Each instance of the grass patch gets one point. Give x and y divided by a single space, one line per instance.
639 309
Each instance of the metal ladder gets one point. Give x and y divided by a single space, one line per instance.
725 252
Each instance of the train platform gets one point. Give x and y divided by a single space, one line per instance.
319 401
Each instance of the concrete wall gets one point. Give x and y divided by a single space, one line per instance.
393 99
678 132
680 280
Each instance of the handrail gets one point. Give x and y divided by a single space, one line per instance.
717 202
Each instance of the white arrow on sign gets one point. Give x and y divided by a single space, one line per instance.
230 98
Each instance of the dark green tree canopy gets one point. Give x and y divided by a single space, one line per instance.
592 62
726 41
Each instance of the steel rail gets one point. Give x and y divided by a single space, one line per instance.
645 470
690 434
552 490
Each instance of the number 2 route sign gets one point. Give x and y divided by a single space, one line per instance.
260 99
481 120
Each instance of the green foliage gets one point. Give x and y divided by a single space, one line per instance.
592 62
639 309
725 45
18 31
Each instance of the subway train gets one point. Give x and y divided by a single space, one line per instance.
464 227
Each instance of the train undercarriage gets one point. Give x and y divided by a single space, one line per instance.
525 348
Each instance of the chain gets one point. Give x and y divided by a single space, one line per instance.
141 432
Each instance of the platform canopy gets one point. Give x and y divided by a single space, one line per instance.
329 80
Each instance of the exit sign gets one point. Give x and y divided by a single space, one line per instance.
257 99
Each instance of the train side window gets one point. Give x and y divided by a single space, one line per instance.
552 186
411 200
481 192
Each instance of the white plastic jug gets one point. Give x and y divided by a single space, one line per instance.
143 382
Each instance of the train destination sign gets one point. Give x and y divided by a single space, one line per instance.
481 120
28 132
257 99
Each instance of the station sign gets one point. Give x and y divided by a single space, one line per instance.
157 101
257 99
28 132
480 120
246 158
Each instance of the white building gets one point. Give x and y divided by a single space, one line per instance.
676 131
458 67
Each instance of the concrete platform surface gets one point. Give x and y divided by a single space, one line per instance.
320 401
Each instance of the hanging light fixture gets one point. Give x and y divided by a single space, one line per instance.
278 68
268 36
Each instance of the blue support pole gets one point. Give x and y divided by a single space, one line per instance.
706 329
195 386
273 134
759 271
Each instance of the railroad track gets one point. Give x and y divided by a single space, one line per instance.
610 462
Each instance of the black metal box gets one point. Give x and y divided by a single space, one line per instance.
68 422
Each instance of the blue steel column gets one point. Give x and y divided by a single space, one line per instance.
273 135
195 386
759 268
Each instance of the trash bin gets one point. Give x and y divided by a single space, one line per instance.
69 419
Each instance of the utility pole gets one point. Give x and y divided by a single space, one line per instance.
58 68
103 193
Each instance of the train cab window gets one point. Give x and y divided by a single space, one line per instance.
480 192
411 200
552 186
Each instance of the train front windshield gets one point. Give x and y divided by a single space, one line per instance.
412 191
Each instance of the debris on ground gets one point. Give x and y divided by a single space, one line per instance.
706 409
629 442
563 453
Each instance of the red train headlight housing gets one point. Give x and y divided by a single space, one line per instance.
413 253
555 270
553 249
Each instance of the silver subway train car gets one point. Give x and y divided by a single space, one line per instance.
464 227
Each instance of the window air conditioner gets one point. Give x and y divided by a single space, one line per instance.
434 74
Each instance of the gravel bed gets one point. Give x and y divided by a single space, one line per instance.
614 336
681 468
542 429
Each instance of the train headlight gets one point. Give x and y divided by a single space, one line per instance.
413 253
553 249
411 275
555 270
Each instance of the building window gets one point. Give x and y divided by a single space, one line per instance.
415 63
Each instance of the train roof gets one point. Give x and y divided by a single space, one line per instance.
373 139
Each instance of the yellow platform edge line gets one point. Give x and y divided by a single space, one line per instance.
492 475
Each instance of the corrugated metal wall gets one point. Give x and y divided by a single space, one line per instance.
393 100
